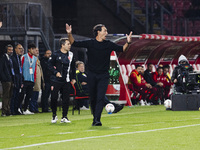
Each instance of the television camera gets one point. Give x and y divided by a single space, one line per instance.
189 79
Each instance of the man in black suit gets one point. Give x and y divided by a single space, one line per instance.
18 79
47 74
7 79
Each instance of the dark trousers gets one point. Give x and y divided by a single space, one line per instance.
7 94
45 96
27 90
14 100
33 105
98 84
64 89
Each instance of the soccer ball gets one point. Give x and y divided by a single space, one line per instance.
110 108
168 103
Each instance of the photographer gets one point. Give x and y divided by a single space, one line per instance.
181 73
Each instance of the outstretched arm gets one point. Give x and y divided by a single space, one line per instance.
126 45
69 33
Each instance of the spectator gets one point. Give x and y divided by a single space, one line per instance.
149 79
47 89
82 85
139 86
99 50
166 81
37 85
158 78
29 67
18 79
60 64
148 76
7 79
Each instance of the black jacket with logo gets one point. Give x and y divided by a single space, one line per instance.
63 63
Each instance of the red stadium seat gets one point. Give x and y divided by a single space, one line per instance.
75 99
129 69
179 4
187 5
133 67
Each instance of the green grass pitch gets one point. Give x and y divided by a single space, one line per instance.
139 128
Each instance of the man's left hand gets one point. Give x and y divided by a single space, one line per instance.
73 81
129 37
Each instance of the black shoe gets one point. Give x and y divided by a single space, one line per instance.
8 114
117 107
46 111
18 113
3 115
97 123
37 111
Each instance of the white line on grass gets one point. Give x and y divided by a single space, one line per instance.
65 132
102 136
115 127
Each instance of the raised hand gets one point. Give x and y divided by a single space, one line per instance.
68 28
129 37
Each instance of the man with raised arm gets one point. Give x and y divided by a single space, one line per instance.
99 50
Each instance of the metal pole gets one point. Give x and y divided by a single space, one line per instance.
41 17
25 18
25 43
36 38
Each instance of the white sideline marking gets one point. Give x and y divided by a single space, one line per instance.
65 132
34 136
115 127
102 136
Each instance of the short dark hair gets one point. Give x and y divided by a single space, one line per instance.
97 28
47 50
17 45
138 66
7 46
166 66
62 41
149 65
159 68
31 45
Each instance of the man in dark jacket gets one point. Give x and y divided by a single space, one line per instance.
18 79
60 64
46 73
149 79
7 79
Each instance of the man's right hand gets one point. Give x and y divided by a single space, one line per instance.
160 84
68 28
175 81
58 74
148 85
